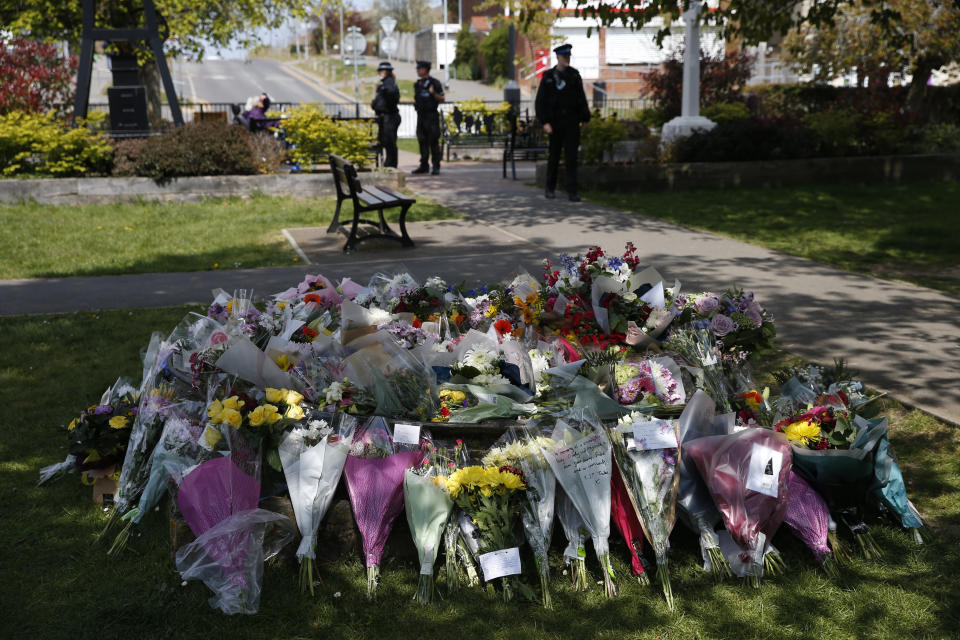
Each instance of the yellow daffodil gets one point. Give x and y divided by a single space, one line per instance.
275 395
231 417
119 422
802 432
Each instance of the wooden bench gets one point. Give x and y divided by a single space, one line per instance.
366 199
526 141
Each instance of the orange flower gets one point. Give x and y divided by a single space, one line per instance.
752 398
312 297
417 323
309 333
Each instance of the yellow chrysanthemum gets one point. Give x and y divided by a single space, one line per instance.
802 432
119 422
275 395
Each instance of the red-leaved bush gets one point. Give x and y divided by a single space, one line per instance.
34 76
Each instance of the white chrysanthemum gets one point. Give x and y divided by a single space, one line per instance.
480 358
629 419
334 393
379 317
489 379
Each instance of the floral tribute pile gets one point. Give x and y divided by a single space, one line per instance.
618 395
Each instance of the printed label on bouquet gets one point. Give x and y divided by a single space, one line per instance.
406 433
657 434
764 472
586 458
497 564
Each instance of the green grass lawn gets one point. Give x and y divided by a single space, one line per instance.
908 232
41 241
58 584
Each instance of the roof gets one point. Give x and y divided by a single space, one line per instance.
480 23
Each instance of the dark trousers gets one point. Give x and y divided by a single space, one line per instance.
389 123
428 135
565 137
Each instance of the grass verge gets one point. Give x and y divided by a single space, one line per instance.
42 241
58 584
907 232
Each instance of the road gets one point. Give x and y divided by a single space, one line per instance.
233 81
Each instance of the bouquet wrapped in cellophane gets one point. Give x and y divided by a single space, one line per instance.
520 448
374 471
646 453
580 455
313 454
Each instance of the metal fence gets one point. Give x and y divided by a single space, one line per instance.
408 117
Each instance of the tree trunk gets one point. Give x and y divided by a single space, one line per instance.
150 77
921 72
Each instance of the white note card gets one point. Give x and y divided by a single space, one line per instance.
406 433
656 434
497 564
763 475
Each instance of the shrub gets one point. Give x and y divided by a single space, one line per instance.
726 112
495 49
196 149
473 109
268 153
467 59
836 131
940 138
34 76
315 135
34 143
652 117
721 80
599 137
744 140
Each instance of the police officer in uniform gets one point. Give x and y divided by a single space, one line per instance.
561 107
385 106
428 94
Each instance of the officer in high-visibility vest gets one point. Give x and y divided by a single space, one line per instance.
561 107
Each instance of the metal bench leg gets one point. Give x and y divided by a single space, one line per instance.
405 239
335 225
384 227
352 238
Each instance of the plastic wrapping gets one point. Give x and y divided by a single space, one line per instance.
648 381
312 469
375 485
695 504
428 507
229 557
697 347
809 518
625 517
580 456
401 383
890 488
648 464
748 476
575 529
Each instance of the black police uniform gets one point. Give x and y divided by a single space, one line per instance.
562 103
428 121
385 106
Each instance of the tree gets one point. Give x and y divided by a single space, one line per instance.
411 15
34 76
918 37
721 80
495 49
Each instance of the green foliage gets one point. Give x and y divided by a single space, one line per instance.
599 136
315 135
651 116
941 138
495 49
724 112
467 61
33 143
477 109
835 130
196 149
722 79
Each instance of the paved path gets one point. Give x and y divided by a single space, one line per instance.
903 339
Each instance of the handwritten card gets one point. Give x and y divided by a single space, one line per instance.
763 474
406 433
656 434
496 564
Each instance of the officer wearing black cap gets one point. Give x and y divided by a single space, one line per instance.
427 96
561 107
385 106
